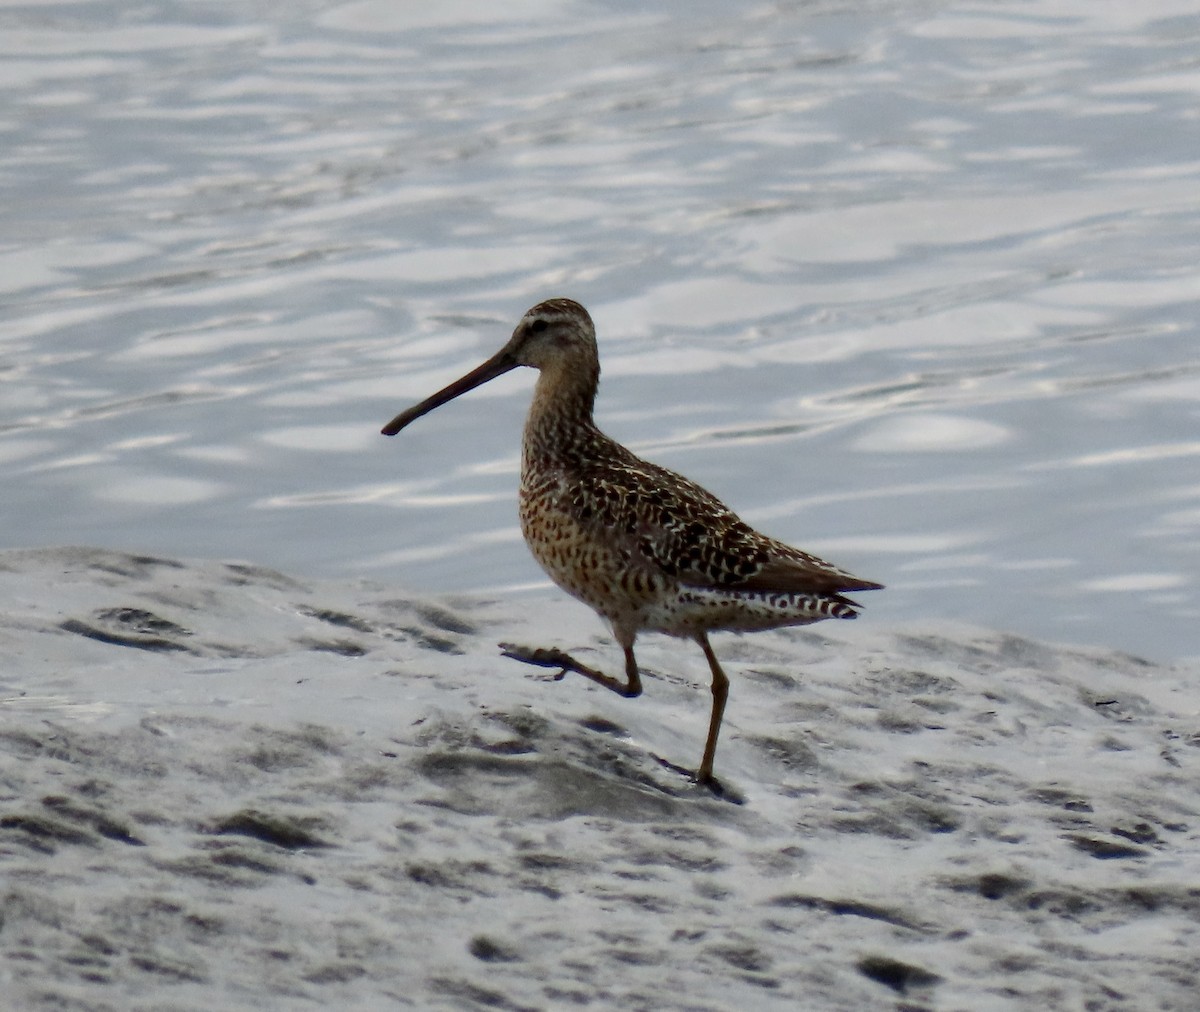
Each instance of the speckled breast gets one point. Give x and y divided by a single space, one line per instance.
579 558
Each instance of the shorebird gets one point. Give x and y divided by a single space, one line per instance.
646 548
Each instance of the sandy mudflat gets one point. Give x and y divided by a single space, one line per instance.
222 787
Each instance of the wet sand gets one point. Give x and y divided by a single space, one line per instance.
221 786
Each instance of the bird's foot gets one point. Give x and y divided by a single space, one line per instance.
719 790
542 657
552 657
707 781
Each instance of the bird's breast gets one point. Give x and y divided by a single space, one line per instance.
587 558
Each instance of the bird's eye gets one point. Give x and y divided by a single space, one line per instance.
538 326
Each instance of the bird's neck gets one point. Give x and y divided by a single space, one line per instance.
560 417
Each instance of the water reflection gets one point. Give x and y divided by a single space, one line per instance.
913 286
924 433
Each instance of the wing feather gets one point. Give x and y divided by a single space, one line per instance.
670 524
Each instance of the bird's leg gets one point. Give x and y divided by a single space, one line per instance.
552 657
720 692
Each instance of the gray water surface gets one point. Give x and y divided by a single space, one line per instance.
911 285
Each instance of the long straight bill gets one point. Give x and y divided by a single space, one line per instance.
497 365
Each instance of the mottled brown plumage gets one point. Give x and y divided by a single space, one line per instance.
648 549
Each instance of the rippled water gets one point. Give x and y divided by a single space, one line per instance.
912 285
